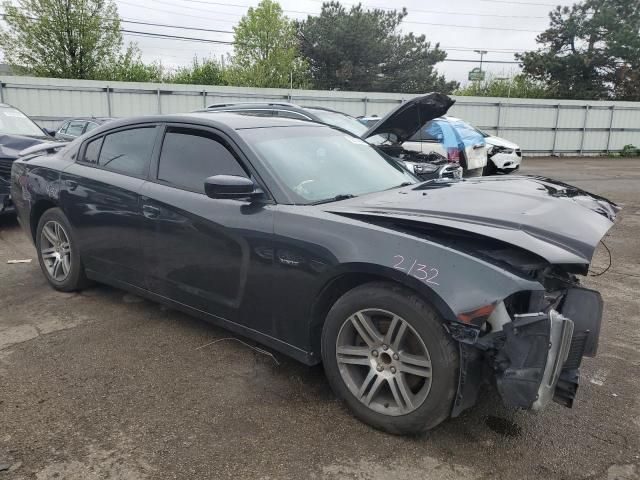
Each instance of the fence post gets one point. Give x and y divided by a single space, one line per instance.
584 127
555 130
366 101
499 119
159 102
1 92
108 102
204 99
613 109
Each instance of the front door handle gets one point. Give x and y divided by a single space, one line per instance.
150 212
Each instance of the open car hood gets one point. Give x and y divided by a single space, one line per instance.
557 222
408 117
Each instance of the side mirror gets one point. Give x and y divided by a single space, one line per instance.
230 186
48 131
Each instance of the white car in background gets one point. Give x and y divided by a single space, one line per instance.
503 156
454 139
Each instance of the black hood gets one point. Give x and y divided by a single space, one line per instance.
555 221
409 117
11 145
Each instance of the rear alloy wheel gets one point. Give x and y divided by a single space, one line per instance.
387 355
55 249
57 252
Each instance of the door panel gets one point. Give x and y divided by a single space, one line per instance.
207 253
103 208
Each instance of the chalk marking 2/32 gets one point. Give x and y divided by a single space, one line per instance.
423 273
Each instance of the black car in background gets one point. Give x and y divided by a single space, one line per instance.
398 125
73 128
308 239
17 132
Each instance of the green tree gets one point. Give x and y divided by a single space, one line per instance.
520 86
590 51
266 50
207 71
61 38
362 50
129 67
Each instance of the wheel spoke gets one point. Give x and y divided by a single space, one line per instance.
367 381
405 392
64 261
353 355
415 365
48 253
395 334
50 235
375 388
65 247
366 329
56 267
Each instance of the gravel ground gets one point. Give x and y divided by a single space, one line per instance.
102 384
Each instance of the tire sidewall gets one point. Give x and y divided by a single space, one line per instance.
427 323
75 277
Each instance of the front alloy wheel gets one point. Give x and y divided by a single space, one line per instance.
384 362
387 356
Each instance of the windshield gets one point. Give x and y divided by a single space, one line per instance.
14 122
340 120
319 163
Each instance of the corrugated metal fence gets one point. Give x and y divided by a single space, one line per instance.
564 127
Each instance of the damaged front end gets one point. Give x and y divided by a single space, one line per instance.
531 344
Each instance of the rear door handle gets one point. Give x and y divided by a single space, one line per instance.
150 212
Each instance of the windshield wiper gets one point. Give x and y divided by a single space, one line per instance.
342 196
403 184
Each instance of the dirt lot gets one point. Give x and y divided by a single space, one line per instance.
102 384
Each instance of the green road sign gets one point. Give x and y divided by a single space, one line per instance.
476 74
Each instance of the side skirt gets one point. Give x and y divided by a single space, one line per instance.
290 350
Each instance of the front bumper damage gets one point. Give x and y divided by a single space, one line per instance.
532 358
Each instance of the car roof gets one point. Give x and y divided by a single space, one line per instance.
271 105
222 120
92 119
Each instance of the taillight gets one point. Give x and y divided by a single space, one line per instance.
453 154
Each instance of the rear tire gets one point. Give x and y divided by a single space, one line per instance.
401 377
58 252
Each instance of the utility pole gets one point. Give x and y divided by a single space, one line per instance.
482 54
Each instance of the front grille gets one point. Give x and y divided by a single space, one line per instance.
576 351
5 168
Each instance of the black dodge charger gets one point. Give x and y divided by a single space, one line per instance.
309 240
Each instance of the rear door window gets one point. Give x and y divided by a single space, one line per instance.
189 156
128 151
91 126
92 151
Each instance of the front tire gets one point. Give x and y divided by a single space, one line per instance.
388 357
58 252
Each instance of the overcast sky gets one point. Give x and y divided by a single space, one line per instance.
459 26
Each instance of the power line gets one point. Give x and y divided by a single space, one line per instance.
448 25
174 37
440 12
521 3
176 26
